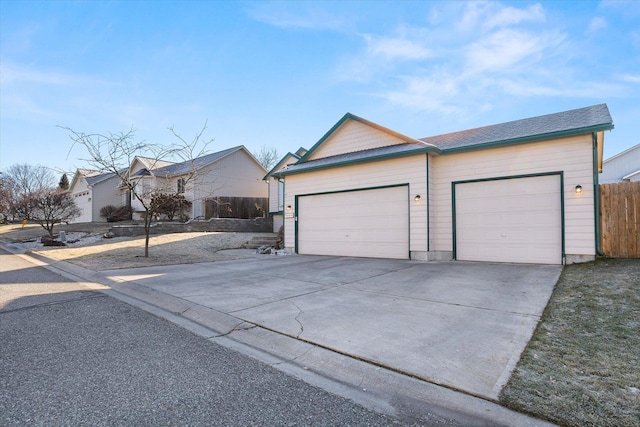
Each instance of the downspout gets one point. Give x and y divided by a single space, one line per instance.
596 194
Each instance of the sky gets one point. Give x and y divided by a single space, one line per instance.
279 74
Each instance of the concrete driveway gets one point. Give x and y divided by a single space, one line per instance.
458 324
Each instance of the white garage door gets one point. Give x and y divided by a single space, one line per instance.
366 223
510 220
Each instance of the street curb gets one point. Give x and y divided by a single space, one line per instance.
375 387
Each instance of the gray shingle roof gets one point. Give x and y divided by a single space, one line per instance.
557 123
572 122
187 166
92 180
382 152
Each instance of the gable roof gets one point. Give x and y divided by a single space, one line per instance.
353 117
283 161
95 179
572 122
82 173
580 121
388 152
187 166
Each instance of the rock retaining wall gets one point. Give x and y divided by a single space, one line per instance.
257 225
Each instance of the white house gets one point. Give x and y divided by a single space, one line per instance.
622 167
276 187
92 190
233 172
523 191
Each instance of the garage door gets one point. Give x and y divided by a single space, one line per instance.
509 220
365 223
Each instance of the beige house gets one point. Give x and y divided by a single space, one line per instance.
276 187
233 172
92 190
524 191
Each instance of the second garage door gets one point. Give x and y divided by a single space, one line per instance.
509 220
364 223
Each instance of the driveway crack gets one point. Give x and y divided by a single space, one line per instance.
297 320
237 328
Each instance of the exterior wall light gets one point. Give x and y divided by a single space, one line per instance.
417 198
288 208
578 189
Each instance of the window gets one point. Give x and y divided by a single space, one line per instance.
280 196
180 185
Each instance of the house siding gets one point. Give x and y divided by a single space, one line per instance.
105 193
236 175
573 156
621 165
354 136
408 170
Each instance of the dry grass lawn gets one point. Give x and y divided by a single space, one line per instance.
582 366
128 252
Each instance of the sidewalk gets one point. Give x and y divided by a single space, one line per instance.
379 386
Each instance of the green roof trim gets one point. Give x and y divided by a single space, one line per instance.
581 121
351 161
349 116
285 157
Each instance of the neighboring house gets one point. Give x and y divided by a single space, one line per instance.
276 187
623 166
521 191
229 173
92 190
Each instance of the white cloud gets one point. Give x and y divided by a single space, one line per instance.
596 24
631 78
283 15
487 15
396 48
13 73
506 48
435 92
511 16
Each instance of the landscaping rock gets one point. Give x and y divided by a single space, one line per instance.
51 242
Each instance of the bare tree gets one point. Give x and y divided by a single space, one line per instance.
51 207
267 157
22 181
115 153
6 197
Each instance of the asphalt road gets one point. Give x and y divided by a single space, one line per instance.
70 355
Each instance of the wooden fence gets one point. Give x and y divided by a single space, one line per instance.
236 207
620 219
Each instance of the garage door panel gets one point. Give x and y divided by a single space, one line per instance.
510 220
365 223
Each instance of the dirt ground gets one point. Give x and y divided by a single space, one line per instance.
97 253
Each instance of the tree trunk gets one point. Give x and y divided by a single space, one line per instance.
147 230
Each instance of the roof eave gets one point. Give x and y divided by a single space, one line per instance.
631 175
354 162
279 164
349 116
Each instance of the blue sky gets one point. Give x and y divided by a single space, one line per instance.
280 74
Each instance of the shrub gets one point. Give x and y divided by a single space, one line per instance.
107 211
170 205
113 214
